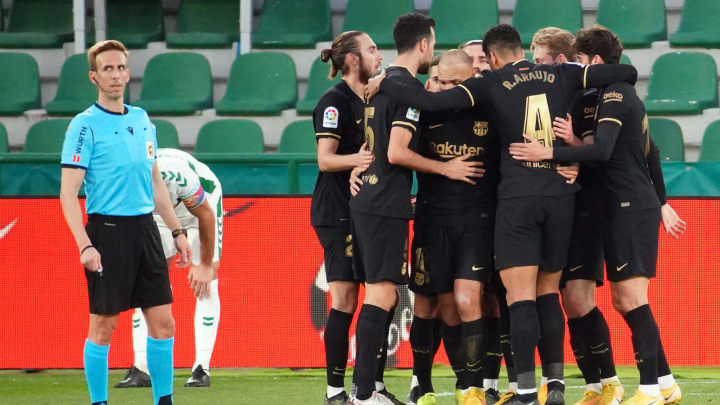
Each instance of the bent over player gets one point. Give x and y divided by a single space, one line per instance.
111 148
196 195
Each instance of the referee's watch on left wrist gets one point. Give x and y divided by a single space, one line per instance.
178 232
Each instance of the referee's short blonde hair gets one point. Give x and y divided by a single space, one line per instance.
101 47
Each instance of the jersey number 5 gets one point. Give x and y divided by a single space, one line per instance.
538 122
369 134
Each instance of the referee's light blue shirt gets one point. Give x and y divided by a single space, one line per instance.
118 152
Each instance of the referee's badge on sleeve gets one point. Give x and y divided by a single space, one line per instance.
150 148
413 114
330 117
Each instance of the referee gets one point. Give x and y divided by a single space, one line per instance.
111 147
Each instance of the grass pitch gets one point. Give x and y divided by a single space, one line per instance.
282 386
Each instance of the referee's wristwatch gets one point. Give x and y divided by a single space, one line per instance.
178 232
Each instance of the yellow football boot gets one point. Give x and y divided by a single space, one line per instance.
474 396
642 399
589 398
542 394
672 395
506 397
612 394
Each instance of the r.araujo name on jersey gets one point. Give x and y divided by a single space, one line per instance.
450 135
338 115
386 187
521 98
187 179
117 151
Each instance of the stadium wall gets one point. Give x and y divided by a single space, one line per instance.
273 291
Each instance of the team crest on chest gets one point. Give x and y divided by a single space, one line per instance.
480 128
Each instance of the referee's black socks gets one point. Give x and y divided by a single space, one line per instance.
336 346
370 337
452 339
645 340
552 334
525 332
422 344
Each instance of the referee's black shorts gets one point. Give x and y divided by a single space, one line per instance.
534 231
135 273
631 244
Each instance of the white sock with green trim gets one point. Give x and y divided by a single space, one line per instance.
207 317
139 336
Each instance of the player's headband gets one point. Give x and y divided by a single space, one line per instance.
472 42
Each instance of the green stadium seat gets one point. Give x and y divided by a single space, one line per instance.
19 83
176 83
285 25
230 136
38 24
699 25
135 23
710 147
376 17
298 137
459 21
638 23
625 60
318 83
529 56
206 24
682 83
46 136
4 147
167 136
261 83
75 91
530 15
668 137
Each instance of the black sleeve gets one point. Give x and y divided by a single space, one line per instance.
583 116
406 117
605 137
596 76
459 97
656 174
329 115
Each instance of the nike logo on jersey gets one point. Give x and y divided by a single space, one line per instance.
619 268
358 121
575 268
435 126
7 228
473 268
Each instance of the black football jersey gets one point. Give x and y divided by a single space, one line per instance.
386 187
622 140
338 115
520 98
447 136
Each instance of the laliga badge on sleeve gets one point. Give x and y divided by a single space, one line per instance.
330 117
413 114
150 148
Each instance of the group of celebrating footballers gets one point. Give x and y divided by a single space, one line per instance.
531 177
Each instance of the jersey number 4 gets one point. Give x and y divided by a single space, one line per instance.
538 122
369 134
